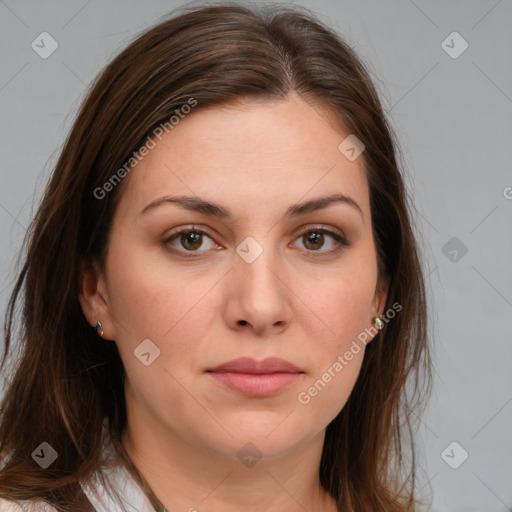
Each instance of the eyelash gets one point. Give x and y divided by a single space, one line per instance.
341 242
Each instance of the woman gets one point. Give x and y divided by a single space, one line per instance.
222 295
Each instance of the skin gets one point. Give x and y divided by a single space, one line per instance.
184 429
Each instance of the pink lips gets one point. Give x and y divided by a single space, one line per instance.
257 378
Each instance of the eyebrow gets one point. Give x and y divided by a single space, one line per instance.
199 205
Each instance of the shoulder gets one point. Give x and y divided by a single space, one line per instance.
25 506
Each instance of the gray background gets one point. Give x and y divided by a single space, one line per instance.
454 120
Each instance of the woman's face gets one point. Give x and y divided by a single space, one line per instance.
252 276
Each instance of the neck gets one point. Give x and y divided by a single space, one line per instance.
193 478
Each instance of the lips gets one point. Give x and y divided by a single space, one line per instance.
253 378
248 365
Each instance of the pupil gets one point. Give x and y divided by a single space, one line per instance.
314 238
191 238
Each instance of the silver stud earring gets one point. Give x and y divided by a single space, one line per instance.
378 322
99 329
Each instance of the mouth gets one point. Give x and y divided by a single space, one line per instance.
257 378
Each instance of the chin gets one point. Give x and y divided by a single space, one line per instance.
256 442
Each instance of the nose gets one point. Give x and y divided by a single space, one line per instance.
258 296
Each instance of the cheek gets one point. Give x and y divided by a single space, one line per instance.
153 302
323 396
343 307
337 355
148 296
169 306
343 304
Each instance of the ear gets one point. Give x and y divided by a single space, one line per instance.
94 299
380 298
378 305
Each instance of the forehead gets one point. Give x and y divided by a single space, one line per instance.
253 153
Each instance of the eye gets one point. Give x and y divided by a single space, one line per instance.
315 239
189 240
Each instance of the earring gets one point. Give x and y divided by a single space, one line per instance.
99 329
378 322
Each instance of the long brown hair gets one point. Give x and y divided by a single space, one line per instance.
66 382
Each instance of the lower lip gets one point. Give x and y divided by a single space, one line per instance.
257 385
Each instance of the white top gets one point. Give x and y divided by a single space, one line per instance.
133 497
118 479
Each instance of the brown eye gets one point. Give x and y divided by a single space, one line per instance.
191 240
186 242
313 240
322 241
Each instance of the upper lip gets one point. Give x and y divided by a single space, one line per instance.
248 365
